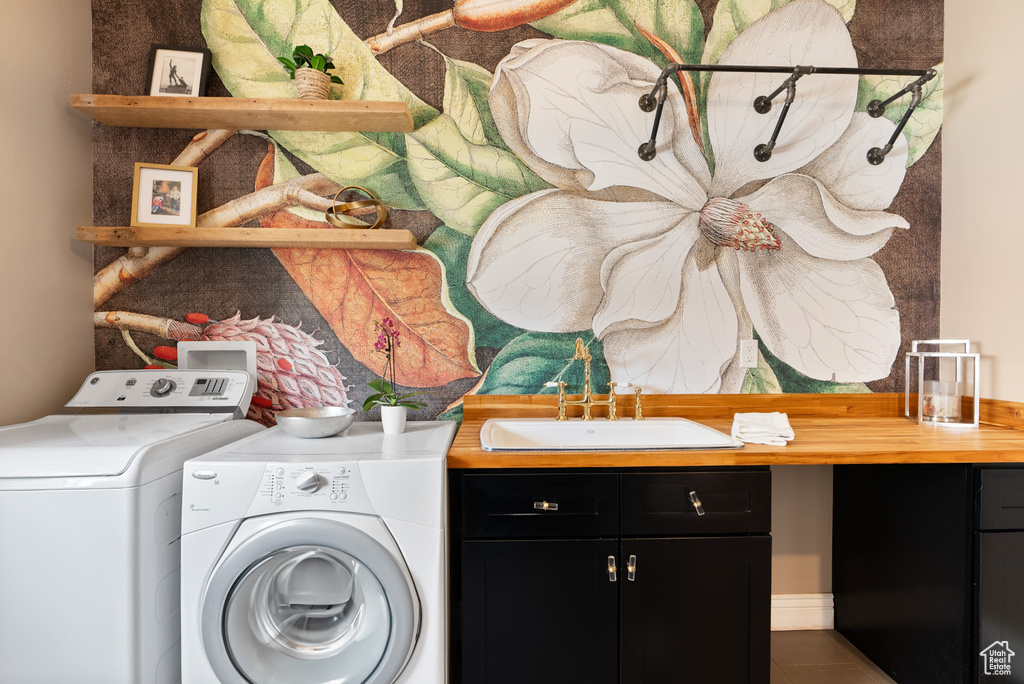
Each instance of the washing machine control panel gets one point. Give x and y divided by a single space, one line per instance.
298 486
171 390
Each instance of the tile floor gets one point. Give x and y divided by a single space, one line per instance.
821 657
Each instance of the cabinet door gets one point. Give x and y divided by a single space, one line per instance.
901 558
540 611
999 642
697 610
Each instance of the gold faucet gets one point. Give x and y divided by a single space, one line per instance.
587 401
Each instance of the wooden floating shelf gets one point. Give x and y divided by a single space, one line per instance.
178 236
238 113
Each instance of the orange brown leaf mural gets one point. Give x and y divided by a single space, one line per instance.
353 288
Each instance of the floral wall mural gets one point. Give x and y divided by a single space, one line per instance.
537 221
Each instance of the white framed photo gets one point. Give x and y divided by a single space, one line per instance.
164 195
178 72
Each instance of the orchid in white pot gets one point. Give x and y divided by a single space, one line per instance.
393 404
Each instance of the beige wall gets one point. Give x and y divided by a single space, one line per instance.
45 191
982 161
801 529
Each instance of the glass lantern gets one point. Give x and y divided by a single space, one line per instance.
944 375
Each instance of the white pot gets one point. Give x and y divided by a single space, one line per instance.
393 419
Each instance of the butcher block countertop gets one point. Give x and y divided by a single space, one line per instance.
829 429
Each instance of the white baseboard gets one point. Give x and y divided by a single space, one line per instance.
802 611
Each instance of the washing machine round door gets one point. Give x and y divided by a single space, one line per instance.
310 601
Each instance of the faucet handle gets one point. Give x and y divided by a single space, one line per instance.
561 397
638 408
612 415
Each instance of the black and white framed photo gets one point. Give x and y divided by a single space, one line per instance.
179 72
164 195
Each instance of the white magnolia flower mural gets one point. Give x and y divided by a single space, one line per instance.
670 263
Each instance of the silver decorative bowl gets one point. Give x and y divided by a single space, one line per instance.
312 423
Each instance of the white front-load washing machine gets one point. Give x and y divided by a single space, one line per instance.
307 561
90 524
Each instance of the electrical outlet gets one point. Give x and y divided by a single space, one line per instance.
748 353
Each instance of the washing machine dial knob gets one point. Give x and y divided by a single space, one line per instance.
309 483
162 387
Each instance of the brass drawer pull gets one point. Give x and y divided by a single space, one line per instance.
545 506
697 506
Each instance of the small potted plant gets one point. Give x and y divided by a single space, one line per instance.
310 73
393 406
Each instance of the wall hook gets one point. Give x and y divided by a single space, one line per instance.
648 102
763 104
876 155
654 101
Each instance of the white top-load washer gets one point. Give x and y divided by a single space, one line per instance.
317 560
90 520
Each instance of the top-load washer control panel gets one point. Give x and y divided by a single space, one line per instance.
165 391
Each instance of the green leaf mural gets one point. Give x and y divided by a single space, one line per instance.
376 161
677 22
592 20
465 100
451 247
462 182
452 414
459 163
924 123
532 359
247 36
761 380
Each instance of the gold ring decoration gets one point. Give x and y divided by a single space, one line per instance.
334 214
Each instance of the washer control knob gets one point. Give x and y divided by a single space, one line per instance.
162 387
309 483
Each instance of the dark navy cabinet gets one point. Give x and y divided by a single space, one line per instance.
631 576
928 569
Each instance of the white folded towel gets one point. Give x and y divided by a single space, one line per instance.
762 428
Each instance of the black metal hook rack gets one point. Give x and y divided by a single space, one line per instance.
655 100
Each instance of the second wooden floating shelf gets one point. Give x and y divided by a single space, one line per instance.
239 113
177 236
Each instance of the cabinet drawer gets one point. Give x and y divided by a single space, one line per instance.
1001 499
660 503
543 505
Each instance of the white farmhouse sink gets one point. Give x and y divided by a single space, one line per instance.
548 434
